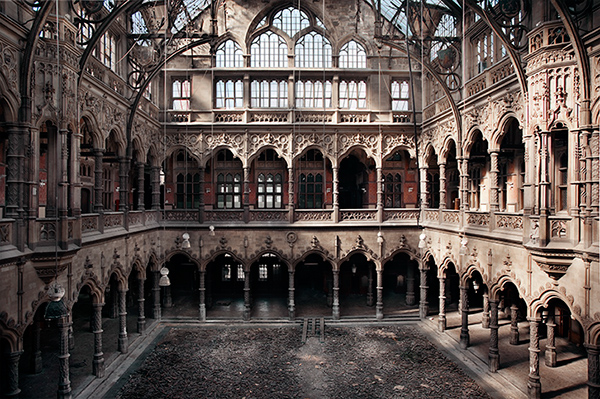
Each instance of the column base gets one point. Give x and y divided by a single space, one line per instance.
485 322
370 301
514 337
98 365
379 313
464 340
141 326
550 357
36 363
247 314
410 299
202 312
336 312
441 323
123 344
12 394
423 310
157 314
292 313
64 392
534 388
493 362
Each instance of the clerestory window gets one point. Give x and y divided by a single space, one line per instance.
268 50
229 55
291 20
353 55
353 94
313 50
313 94
181 95
399 91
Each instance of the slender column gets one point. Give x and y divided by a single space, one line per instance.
156 295
12 374
247 308
14 181
336 195
64 383
410 285
442 314
379 304
62 178
593 383
140 185
201 195
485 317
370 288
336 295
98 362
424 186
514 326
494 181
443 198
534 387
291 192
155 187
141 323
494 355
123 341
423 304
71 338
550 343
202 292
98 155
123 187
36 359
379 194
464 187
464 329
246 194
291 293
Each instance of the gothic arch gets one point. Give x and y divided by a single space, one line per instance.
120 275
368 254
445 263
470 138
210 154
169 254
499 133
279 152
470 270
593 334
318 251
537 304
368 152
138 147
446 147
138 266
499 285
11 336
337 46
214 255
96 289
332 160
411 254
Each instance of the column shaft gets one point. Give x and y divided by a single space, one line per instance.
423 304
156 295
123 340
202 292
494 356
534 387
291 293
64 383
12 374
442 313
593 371
485 317
514 325
464 329
247 306
379 304
336 295
550 355
98 361
141 323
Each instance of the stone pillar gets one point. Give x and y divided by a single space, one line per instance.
36 358
167 299
494 206
64 383
141 323
98 189
423 304
14 177
291 292
155 187
140 185
123 186
379 195
534 387
246 196
202 292
464 183
370 287
485 317
12 374
123 341
550 343
156 295
336 295
201 195
593 383
410 285
514 326
291 194
442 314
379 304
443 198
494 355
336 194
424 186
247 308
464 329
98 362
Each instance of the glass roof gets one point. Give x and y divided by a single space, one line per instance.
395 10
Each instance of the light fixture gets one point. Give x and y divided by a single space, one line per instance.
463 246
164 277
354 268
56 308
545 314
422 242
186 241
380 237
475 285
211 230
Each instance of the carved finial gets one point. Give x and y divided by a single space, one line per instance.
314 242
402 241
268 241
223 241
88 264
359 241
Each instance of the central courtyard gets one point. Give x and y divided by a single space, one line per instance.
292 362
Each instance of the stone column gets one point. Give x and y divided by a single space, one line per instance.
123 186
98 362
12 374
464 329
247 308
593 371
336 195
14 178
336 295
442 313
64 383
485 317
379 304
514 326
410 285
156 295
464 183
291 194
98 189
140 185
494 355
123 341
155 187
370 287
379 194
494 206
202 292
246 197
423 304
534 387
201 195
550 343
141 323
36 358
291 293
443 198
424 186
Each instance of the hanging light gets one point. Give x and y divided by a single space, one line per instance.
186 241
545 314
354 268
422 242
463 246
211 230
56 308
164 277
380 237
475 285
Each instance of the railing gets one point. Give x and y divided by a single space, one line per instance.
89 223
5 232
223 216
113 220
183 215
480 219
489 77
47 230
269 215
354 117
509 221
400 214
135 218
450 216
358 214
559 227
313 215
431 215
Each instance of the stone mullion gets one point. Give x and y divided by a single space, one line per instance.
291 191
379 304
156 295
64 383
140 188
423 304
141 323
62 177
485 317
98 189
442 312
14 171
494 205
246 197
514 325
336 295
98 362
464 184
201 195
550 354
494 355
424 187
593 383
123 340
202 293
464 329
291 293
443 198
534 387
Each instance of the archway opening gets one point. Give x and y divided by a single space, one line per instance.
269 287
82 348
357 286
399 285
225 280
313 287
181 298
356 176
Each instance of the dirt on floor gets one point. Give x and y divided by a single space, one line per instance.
352 362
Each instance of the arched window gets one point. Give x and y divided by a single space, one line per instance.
270 189
188 191
313 50
229 191
353 55
181 95
291 21
311 191
229 94
392 190
313 94
268 50
561 182
229 55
